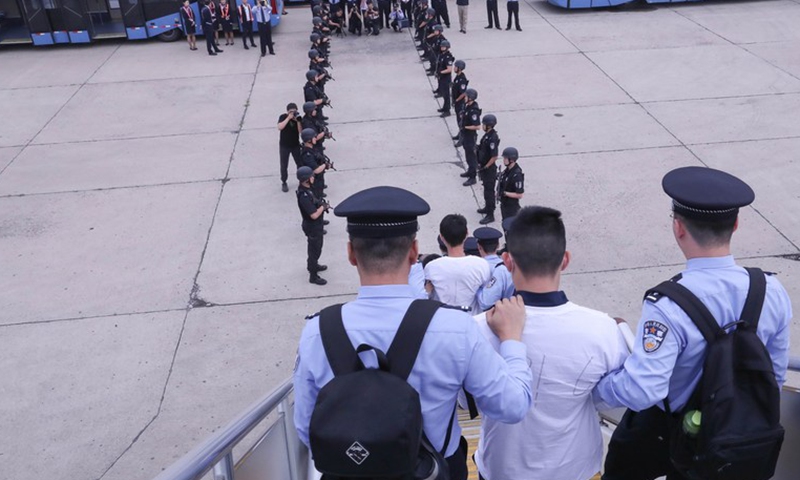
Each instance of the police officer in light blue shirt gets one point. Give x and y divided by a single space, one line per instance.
382 225
666 362
501 285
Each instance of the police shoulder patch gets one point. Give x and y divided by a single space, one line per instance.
491 145
653 336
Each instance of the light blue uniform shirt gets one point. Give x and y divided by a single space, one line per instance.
453 354
668 353
416 278
500 286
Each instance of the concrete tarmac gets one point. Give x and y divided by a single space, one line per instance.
152 273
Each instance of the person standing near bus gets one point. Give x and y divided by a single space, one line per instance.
207 16
215 14
225 21
246 17
263 15
189 24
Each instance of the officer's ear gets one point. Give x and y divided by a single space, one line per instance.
351 255
413 253
565 260
736 224
508 261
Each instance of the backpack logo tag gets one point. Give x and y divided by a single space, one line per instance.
357 453
654 334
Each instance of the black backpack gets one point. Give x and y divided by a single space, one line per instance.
739 435
367 423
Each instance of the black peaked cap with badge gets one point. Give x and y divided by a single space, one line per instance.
471 246
382 212
706 194
487 234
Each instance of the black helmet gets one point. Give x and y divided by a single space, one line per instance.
313 53
438 28
472 94
444 44
309 107
311 75
316 9
314 37
511 153
430 12
307 134
304 173
460 64
316 21
489 120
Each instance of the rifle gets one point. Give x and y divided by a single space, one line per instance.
329 163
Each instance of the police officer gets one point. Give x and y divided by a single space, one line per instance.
318 64
433 49
459 93
501 285
311 121
313 158
319 44
312 93
469 135
444 68
511 186
667 362
382 225
312 209
487 166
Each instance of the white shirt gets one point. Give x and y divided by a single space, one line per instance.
456 280
570 348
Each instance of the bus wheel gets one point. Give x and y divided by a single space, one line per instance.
170 36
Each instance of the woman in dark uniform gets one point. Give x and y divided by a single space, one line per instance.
189 24
226 21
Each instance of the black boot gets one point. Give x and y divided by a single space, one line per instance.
316 279
489 218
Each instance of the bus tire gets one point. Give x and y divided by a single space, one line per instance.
171 35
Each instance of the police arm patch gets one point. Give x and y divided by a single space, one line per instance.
653 335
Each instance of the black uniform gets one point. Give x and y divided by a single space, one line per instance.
511 180
309 203
312 158
444 62
487 150
246 18
472 118
459 87
209 22
289 145
312 92
187 17
491 12
225 17
442 15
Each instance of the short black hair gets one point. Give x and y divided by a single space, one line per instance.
453 228
381 255
489 246
709 233
537 241
429 258
291 106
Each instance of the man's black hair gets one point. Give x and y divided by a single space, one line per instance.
429 258
291 106
453 228
709 233
537 241
489 246
381 255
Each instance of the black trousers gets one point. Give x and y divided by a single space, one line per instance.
442 15
247 32
639 448
406 8
208 32
444 91
284 156
384 9
513 9
468 139
491 13
509 207
319 185
489 178
314 237
457 462
265 35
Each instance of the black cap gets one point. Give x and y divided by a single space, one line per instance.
507 223
701 193
471 246
487 234
382 212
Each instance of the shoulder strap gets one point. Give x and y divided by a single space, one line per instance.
692 306
755 299
340 352
408 339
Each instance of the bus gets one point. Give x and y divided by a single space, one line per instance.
51 22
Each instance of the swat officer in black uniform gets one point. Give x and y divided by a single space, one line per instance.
444 67
312 209
487 156
312 93
432 48
459 93
313 158
311 121
469 135
317 63
511 186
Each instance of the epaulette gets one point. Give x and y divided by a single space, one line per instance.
499 265
456 307
653 297
309 317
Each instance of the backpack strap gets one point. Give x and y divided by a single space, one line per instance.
408 339
691 305
755 299
340 352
